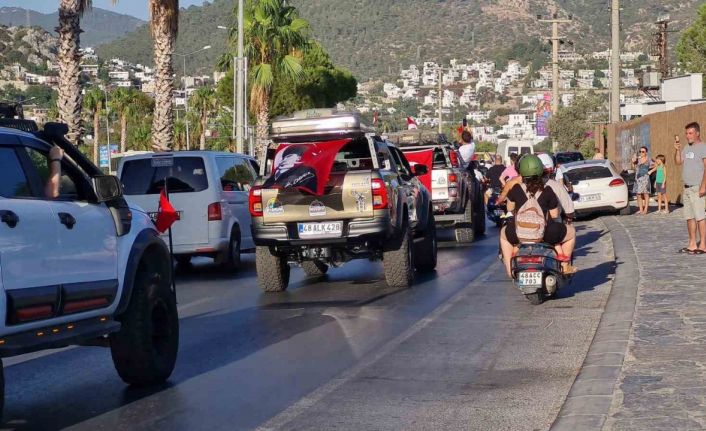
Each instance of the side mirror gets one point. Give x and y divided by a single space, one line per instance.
107 187
419 170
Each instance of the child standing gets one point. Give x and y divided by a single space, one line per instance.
661 183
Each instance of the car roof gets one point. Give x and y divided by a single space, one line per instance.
584 163
15 132
184 154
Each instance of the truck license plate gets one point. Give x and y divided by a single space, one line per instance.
331 229
590 198
530 279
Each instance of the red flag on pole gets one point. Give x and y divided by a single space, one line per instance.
411 124
166 214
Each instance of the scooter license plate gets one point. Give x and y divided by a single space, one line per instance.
530 279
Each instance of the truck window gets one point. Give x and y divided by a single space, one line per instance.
188 174
235 174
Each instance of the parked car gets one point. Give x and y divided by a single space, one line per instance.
83 268
599 187
368 203
457 196
210 192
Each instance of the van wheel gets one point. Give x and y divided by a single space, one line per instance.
398 262
231 261
425 251
314 268
272 270
464 232
144 351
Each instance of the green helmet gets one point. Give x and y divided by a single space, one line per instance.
531 166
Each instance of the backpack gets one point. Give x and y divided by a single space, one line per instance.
530 221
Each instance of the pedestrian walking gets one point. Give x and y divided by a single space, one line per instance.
660 171
642 189
693 160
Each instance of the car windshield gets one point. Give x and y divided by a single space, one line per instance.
568 157
588 173
140 177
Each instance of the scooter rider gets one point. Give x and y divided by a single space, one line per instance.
561 236
565 202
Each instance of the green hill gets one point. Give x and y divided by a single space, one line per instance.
99 25
377 37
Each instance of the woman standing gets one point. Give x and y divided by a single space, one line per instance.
642 189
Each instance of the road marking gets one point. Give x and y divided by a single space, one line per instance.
308 401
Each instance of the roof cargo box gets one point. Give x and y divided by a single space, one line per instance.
417 137
317 124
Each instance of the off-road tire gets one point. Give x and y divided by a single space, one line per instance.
314 268
464 232
145 349
426 251
398 261
479 221
231 260
272 270
535 298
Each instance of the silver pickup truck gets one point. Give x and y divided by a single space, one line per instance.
457 196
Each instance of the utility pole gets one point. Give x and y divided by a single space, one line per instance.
615 62
241 82
660 44
555 21
440 99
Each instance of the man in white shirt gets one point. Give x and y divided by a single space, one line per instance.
468 147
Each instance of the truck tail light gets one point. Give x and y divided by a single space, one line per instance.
214 212
453 180
454 159
255 202
617 182
379 194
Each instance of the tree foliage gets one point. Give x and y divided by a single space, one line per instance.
691 48
572 125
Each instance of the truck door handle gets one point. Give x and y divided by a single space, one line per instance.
67 220
9 218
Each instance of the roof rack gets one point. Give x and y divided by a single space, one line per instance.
318 123
417 137
24 125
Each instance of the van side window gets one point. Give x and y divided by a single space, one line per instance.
236 174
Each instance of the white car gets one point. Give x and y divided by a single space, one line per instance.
599 187
210 192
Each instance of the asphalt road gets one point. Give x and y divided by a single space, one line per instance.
462 349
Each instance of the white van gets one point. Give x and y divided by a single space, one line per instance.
514 146
210 192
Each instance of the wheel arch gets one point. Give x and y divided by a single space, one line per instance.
146 241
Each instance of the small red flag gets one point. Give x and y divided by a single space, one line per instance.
166 214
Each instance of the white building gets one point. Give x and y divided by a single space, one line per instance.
675 92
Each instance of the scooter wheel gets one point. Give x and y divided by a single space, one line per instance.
535 298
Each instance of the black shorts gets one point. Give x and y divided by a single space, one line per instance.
554 233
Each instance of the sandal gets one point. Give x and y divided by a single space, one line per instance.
686 250
569 269
697 251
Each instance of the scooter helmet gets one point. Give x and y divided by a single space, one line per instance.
531 166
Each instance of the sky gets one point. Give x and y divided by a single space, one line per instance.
137 8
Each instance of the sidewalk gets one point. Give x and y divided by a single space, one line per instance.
662 382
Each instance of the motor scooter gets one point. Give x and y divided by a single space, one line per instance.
494 210
537 271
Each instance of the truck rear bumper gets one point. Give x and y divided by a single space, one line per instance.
354 232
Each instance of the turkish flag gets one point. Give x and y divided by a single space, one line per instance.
166 214
306 167
422 157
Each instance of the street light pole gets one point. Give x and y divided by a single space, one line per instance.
186 97
107 129
240 81
441 101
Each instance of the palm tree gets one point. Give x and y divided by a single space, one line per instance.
68 58
121 102
274 39
203 101
179 135
164 24
93 103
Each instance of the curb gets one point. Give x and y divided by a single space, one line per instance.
588 403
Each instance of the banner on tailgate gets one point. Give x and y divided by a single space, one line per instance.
422 157
306 167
